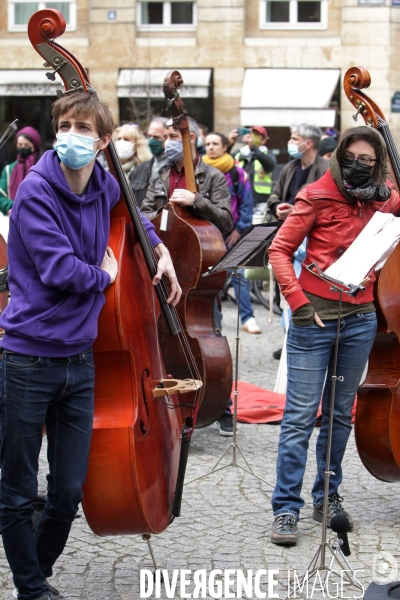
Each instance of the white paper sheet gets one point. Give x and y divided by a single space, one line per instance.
378 237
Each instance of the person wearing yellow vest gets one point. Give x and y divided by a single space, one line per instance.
258 163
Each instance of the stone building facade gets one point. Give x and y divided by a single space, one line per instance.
270 62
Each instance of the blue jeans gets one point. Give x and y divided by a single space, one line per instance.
310 352
245 306
35 391
245 311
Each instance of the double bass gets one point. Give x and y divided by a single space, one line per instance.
377 424
139 442
195 245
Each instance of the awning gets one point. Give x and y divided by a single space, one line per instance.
286 97
144 83
27 82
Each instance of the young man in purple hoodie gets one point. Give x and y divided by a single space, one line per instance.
59 267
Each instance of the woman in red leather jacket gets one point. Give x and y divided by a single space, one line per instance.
331 212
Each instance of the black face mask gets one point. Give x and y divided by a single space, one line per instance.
24 152
355 174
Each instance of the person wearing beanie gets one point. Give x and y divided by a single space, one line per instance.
27 141
326 147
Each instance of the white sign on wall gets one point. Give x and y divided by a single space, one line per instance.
28 89
371 2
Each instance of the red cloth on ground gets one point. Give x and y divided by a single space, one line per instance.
257 405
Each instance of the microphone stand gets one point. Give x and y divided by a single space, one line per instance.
249 251
8 133
318 562
234 446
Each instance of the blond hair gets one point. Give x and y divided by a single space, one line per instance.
132 133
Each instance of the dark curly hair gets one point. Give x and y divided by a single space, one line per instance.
223 138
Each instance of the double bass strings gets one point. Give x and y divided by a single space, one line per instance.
392 150
150 255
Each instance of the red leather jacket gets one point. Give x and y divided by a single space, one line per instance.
331 223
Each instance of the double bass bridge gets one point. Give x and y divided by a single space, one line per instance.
168 387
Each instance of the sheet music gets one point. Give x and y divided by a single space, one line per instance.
376 240
244 247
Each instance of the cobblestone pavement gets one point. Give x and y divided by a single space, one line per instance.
226 517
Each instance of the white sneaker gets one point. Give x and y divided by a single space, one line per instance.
251 326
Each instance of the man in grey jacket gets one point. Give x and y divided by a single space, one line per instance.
212 203
141 176
306 168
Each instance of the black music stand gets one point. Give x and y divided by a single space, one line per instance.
11 129
249 251
318 562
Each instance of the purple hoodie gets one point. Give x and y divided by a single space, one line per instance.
56 243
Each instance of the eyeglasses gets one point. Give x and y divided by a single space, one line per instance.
362 161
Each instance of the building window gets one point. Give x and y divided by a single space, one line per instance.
293 14
20 11
159 16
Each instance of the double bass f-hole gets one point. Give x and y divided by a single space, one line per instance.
144 408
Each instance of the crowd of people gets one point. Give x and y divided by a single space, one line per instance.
58 206
234 183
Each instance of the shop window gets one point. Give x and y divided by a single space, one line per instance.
177 15
293 14
20 11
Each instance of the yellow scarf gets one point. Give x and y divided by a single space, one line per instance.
224 163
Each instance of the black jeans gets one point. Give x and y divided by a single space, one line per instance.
37 391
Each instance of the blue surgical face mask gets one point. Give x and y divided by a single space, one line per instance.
74 150
174 150
293 150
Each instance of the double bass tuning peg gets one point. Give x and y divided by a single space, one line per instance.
51 75
360 106
59 64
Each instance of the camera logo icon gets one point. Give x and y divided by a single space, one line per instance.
384 567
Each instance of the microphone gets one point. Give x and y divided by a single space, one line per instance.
341 525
